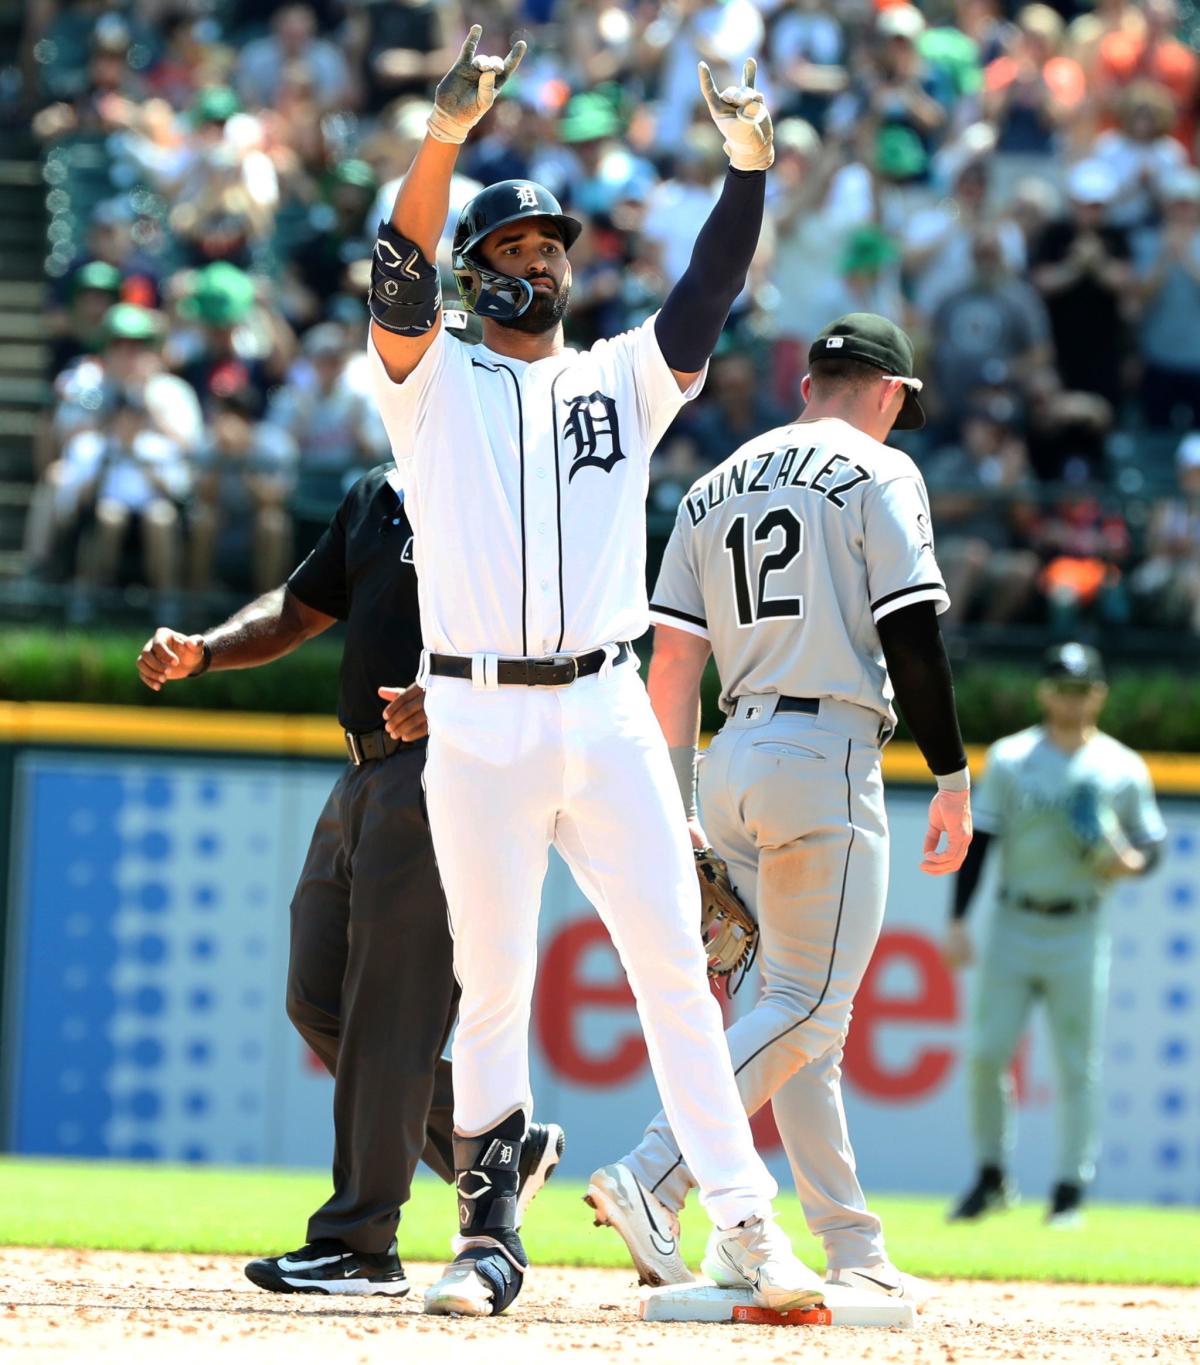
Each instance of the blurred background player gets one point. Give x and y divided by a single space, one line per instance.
370 982
1072 811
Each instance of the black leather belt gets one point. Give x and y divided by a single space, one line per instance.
809 705
1050 907
556 671
375 744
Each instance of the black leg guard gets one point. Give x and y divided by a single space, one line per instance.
485 1172
487 1179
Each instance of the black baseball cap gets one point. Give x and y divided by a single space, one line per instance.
1073 663
874 340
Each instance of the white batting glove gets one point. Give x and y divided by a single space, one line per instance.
949 814
468 90
742 119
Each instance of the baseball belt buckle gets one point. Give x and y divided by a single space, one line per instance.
354 749
553 668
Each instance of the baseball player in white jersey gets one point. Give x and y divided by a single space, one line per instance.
804 563
525 468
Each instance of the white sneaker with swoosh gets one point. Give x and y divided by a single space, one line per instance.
758 1255
884 1279
647 1227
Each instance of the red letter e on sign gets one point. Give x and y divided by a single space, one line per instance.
933 1002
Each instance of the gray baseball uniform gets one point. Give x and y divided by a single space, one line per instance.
784 558
1049 935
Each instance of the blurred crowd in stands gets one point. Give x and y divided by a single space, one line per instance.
1016 184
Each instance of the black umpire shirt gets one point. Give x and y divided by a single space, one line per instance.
361 572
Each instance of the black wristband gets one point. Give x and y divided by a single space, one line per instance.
206 660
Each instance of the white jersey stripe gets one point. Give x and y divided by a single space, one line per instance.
678 621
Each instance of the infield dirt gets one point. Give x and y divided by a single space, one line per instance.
140 1308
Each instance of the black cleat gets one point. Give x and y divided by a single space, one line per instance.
991 1193
328 1266
540 1153
1066 1206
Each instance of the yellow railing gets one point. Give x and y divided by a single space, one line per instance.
288 736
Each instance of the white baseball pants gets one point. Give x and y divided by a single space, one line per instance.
794 803
510 772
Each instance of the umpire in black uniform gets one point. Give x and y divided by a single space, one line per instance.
370 985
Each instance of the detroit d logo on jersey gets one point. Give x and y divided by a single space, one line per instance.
592 425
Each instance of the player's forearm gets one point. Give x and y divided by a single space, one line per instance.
920 673
267 628
674 687
696 308
423 201
968 875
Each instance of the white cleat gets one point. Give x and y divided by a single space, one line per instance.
644 1223
885 1279
461 1291
483 1279
758 1255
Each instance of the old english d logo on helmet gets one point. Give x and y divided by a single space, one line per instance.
490 293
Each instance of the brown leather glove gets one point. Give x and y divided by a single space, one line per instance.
728 932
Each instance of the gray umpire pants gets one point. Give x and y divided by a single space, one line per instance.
794 804
371 990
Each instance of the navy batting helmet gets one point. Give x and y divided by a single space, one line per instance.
488 292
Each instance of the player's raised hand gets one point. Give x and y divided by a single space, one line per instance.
168 656
466 92
949 814
740 114
404 714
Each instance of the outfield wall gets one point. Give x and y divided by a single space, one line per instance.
151 861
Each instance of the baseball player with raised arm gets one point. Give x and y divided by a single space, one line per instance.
525 467
804 563
1070 810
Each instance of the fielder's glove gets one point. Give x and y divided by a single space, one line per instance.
1100 841
742 118
467 91
729 934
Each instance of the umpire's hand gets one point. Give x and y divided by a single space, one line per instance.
404 714
168 656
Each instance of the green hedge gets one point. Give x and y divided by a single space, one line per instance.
40 665
1147 709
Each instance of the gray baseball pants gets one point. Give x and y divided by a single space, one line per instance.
794 803
371 990
1063 961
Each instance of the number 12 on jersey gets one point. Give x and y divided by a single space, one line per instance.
752 602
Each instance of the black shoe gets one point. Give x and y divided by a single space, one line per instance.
992 1192
540 1153
328 1266
1066 1206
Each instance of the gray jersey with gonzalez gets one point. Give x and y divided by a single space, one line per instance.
815 531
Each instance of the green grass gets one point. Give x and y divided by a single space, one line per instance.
179 1208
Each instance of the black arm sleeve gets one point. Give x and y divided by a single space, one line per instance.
695 310
968 875
920 673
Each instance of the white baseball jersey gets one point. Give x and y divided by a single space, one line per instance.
789 552
525 483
